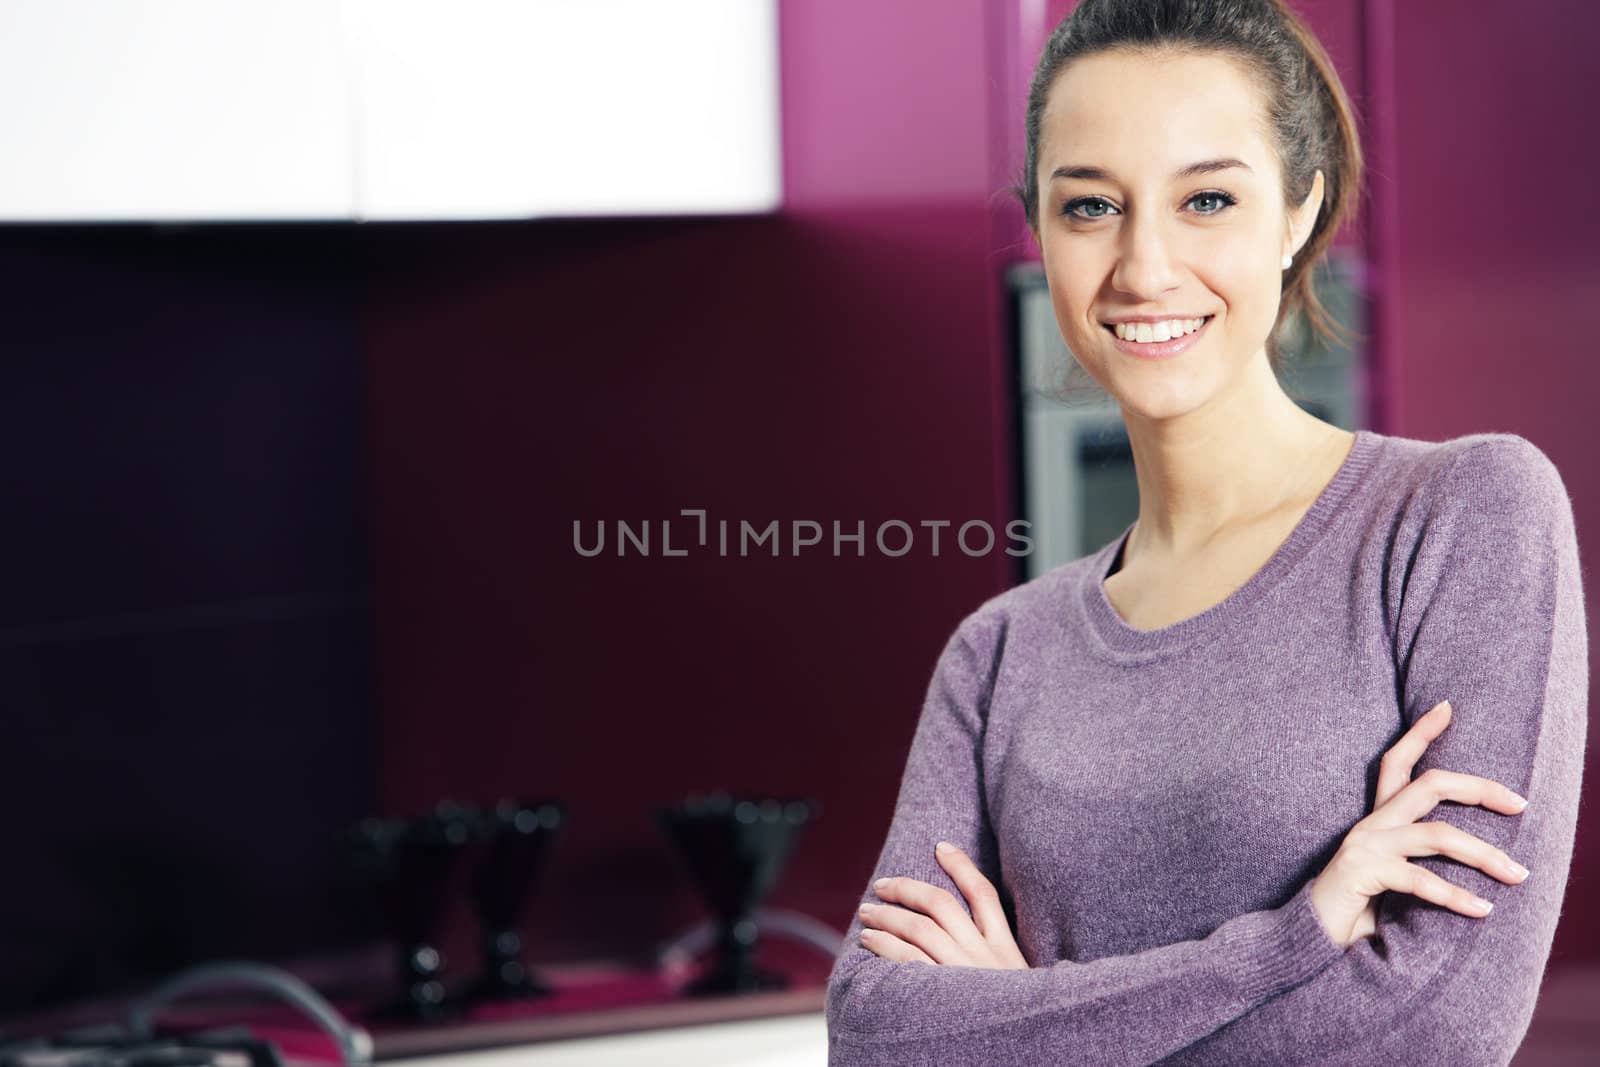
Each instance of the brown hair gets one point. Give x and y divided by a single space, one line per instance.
1311 120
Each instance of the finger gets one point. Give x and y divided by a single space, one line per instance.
916 928
940 908
1394 770
1367 923
1423 793
982 898
1421 882
1443 839
891 947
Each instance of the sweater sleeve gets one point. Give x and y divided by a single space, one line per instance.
1123 1010
1490 616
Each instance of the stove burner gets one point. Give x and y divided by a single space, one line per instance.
115 1046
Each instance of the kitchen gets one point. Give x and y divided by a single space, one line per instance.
326 324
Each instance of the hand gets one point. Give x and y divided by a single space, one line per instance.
932 927
1372 857
1394 773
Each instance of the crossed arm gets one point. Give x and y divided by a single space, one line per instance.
1492 619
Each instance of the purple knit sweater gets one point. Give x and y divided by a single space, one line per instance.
1152 805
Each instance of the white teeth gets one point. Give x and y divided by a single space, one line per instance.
1146 332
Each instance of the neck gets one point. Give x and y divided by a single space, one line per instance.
1241 459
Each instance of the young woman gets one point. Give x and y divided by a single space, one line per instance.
1242 786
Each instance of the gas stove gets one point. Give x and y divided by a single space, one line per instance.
149 1035
117 1046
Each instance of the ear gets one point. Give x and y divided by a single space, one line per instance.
1302 218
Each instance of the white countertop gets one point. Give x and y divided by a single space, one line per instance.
787 1041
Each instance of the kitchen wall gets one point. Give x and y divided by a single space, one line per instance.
1496 281
185 652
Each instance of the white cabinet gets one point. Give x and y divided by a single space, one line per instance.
235 110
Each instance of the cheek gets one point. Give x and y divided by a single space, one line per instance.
1073 290
1072 317
1242 276
1252 300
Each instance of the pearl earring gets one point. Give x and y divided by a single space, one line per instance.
1288 258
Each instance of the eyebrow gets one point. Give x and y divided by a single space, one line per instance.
1100 174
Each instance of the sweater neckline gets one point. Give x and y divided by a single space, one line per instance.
1114 639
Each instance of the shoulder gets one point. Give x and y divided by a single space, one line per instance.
1022 618
1482 476
1487 510
1504 466
1033 603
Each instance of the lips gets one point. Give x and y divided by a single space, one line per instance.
1157 350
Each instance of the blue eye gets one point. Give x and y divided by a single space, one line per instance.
1224 199
1091 201
1068 209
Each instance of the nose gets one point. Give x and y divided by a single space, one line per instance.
1145 266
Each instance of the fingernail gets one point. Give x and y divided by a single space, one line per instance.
943 847
880 883
1520 801
1482 905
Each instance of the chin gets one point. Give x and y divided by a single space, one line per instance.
1160 396
1161 410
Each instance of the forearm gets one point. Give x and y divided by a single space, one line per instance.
1123 1011
1432 985
1127 1009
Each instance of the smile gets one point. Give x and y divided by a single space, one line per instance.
1187 335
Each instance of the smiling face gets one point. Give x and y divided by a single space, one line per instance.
1130 227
